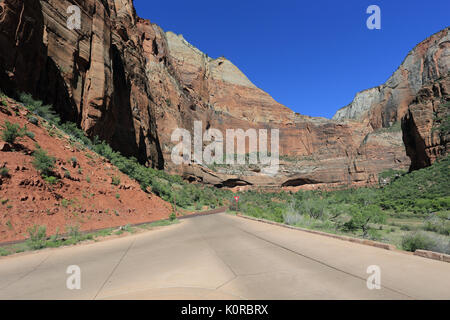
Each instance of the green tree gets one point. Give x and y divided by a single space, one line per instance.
12 131
43 162
362 217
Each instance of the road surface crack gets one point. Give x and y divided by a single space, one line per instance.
114 269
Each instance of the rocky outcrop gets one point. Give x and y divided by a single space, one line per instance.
388 103
424 138
94 76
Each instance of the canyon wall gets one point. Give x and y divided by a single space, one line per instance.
386 104
126 80
94 76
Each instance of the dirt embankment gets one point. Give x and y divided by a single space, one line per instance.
84 195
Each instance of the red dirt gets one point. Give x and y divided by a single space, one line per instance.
94 205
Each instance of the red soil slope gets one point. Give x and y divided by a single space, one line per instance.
26 199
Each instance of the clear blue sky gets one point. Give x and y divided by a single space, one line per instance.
312 56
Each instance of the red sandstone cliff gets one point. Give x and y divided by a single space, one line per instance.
126 80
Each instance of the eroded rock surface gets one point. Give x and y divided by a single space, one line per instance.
126 80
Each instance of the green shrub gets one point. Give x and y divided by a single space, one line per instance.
43 162
417 240
67 174
438 223
172 216
50 179
76 133
74 161
115 180
29 134
65 203
12 131
38 108
33 120
4 172
73 231
37 237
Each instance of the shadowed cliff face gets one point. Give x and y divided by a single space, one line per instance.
126 80
94 76
424 141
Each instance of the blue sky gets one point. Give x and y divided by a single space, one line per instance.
312 56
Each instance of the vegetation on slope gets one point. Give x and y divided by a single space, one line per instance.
171 188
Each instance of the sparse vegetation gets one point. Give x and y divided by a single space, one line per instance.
30 135
4 172
442 119
43 162
37 237
38 108
417 203
11 131
33 120
115 180
67 174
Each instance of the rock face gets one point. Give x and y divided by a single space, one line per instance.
94 76
188 86
414 95
388 103
126 80
425 141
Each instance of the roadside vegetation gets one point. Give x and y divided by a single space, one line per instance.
171 188
412 211
38 238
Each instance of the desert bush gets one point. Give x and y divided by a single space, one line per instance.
43 162
67 174
425 241
38 108
439 223
76 133
30 135
33 120
115 180
363 217
12 131
37 237
73 231
4 172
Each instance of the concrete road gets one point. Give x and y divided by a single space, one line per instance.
222 257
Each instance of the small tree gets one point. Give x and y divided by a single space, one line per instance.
43 162
362 217
38 236
12 131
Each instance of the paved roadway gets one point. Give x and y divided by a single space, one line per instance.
222 257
